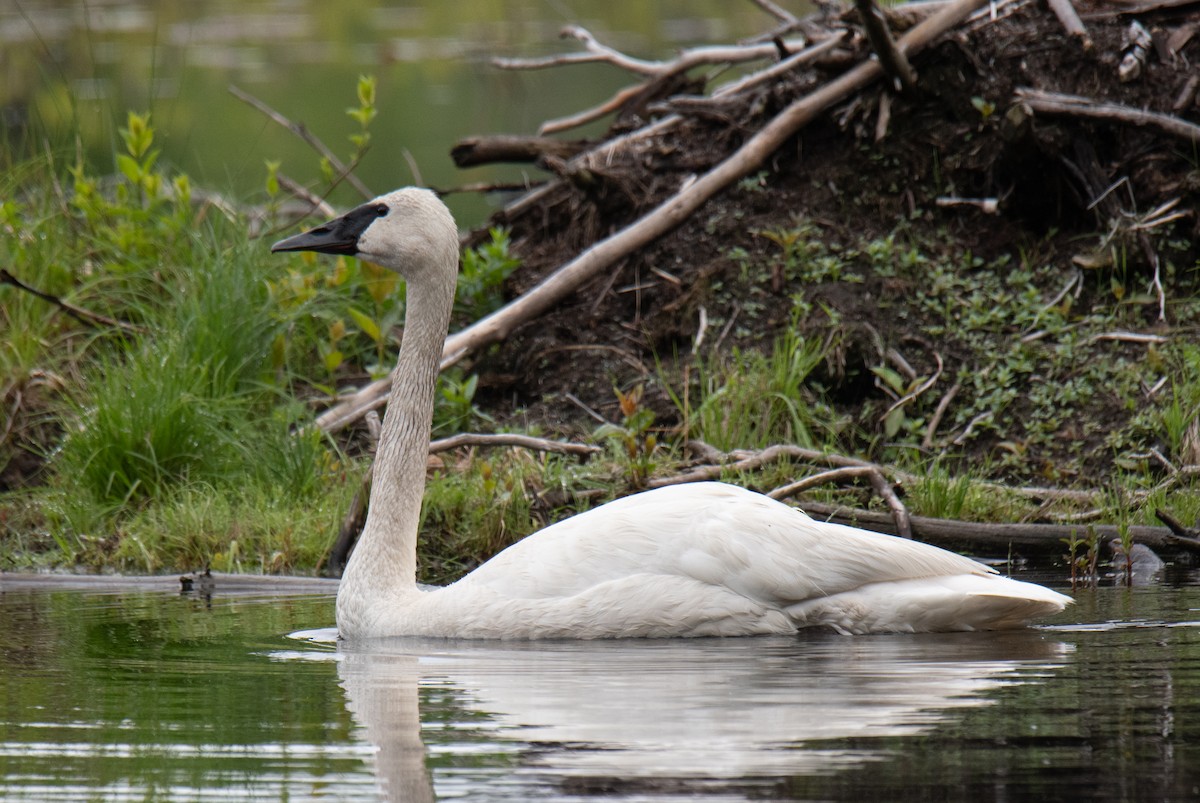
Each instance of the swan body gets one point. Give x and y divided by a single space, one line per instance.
705 559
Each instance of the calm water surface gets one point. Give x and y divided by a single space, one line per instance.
111 694
74 68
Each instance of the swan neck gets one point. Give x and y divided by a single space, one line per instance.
383 563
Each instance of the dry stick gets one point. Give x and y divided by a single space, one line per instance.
1187 95
654 70
938 414
317 203
301 131
1076 106
890 57
926 385
1065 11
506 439
586 116
749 461
676 209
900 515
78 313
605 150
776 12
687 59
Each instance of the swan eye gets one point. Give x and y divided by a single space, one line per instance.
382 210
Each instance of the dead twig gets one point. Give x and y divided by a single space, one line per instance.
1129 337
924 386
78 313
775 11
313 141
1180 533
878 482
1069 18
894 64
938 413
511 439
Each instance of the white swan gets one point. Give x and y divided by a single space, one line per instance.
705 559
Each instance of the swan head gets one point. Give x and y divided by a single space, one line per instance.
409 231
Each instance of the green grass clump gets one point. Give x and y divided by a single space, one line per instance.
460 530
752 399
258 528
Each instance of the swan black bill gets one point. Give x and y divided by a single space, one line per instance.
338 236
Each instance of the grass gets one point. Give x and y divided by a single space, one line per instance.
184 444
181 440
751 399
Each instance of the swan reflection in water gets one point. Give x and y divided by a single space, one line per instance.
705 716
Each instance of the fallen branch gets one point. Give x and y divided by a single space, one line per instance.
948 532
504 148
1129 337
603 152
664 218
721 462
509 439
938 414
1180 534
1055 103
78 313
687 59
884 489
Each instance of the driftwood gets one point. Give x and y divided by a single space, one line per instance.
603 254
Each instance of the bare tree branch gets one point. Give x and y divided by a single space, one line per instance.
300 130
78 313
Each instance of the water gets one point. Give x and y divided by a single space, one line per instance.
73 67
119 692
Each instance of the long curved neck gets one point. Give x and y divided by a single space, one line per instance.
383 563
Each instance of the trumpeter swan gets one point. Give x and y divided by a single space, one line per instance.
706 559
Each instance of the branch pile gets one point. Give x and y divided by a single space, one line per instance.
606 200
1027 110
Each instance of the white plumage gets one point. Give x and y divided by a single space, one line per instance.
706 559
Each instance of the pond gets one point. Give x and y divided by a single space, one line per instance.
76 68
120 689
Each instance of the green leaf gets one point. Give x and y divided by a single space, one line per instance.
366 323
333 359
893 422
892 379
129 168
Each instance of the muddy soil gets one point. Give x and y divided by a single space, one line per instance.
844 188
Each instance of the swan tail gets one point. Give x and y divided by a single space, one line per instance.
932 604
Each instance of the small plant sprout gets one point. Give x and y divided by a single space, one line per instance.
633 436
363 114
